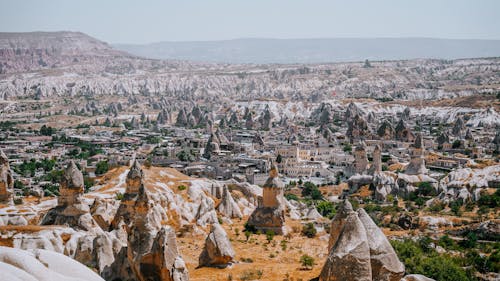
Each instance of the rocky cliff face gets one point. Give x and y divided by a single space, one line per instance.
21 52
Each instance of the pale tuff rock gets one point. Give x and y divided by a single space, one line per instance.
385 183
384 260
103 211
6 180
133 183
153 255
206 212
358 250
228 207
152 248
270 214
212 147
417 162
70 209
338 222
349 258
41 265
218 250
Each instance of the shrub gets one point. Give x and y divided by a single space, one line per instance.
182 187
309 230
307 261
326 209
269 236
291 196
101 167
119 196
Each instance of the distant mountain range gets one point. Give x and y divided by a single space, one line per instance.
315 50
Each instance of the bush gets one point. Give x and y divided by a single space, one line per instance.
182 187
307 261
269 236
428 262
311 190
101 168
291 196
309 230
326 209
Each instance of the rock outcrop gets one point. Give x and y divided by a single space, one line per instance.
126 208
358 250
227 206
218 250
270 213
70 209
349 258
152 248
6 180
43 265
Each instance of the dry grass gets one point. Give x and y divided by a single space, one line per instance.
271 258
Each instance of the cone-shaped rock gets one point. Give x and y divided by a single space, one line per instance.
70 209
338 222
349 259
218 250
227 206
384 260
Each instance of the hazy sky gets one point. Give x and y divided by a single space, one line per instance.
127 21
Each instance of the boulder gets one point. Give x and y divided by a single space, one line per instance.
218 250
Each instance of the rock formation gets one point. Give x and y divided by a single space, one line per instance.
270 213
227 206
385 263
70 209
403 133
338 221
417 162
358 250
349 258
218 250
360 159
357 128
6 180
133 183
33 265
376 166
386 131
152 248
459 126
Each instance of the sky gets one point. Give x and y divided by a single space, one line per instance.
147 21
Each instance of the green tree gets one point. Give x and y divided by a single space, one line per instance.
101 167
